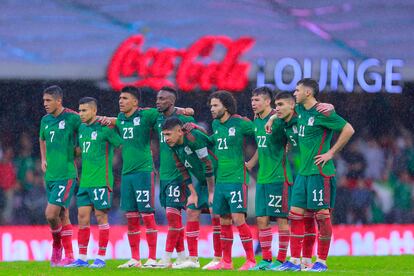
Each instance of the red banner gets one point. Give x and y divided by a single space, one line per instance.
187 69
33 242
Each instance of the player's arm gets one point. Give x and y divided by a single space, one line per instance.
202 154
42 144
187 111
269 124
335 122
253 161
107 121
193 197
78 152
113 137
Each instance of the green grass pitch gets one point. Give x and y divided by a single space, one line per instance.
384 265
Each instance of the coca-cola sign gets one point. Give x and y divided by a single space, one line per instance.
187 69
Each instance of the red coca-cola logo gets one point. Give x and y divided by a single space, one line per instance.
186 69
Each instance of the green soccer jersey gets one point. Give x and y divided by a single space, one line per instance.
97 143
271 150
168 169
291 132
135 133
228 139
195 156
59 134
315 132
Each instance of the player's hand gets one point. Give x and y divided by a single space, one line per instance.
210 198
323 158
324 107
192 199
44 165
268 126
248 165
104 120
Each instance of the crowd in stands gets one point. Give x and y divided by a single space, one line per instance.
375 182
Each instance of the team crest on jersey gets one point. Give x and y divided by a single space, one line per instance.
232 131
137 121
311 121
295 129
188 150
94 135
62 125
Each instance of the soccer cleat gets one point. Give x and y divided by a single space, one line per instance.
98 263
262 265
222 265
275 266
163 264
305 267
149 263
191 262
318 267
78 263
56 256
289 266
179 261
213 262
65 262
131 263
247 265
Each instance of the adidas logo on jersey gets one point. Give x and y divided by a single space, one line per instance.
58 200
46 127
148 206
104 203
320 204
239 206
277 211
176 200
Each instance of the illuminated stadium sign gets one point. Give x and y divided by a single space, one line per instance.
188 69
370 75
215 62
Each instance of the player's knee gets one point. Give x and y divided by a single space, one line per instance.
322 215
262 222
193 215
239 219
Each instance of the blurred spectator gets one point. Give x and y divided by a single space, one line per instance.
24 161
340 213
34 200
374 157
403 198
355 161
7 183
361 200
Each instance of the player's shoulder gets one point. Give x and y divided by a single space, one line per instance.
238 117
147 110
323 114
70 112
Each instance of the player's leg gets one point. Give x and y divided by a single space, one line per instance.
222 209
297 228
237 200
129 205
218 252
323 191
102 202
84 214
309 239
67 230
147 213
265 231
59 194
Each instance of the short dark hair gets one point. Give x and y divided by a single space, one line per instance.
171 123
264 90
284 95
227 99
88 100
134 91
311 83
171 90
55 91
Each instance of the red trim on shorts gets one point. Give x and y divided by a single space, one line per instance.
107 166
152 188
68 187
244 188
286 184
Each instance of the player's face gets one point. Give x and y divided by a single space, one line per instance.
165 100
127 102
301 93
50 103
260 103
87 112
172 136
217 108
284 107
